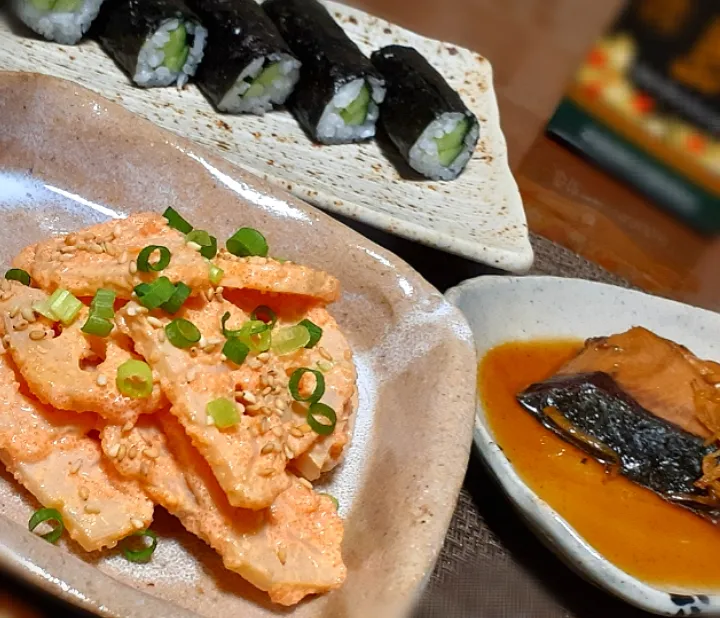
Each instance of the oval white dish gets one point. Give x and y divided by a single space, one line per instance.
501 309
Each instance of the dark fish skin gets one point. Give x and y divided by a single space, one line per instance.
329 58
239 31
416 95
124 25
613 428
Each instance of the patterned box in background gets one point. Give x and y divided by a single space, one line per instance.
645 105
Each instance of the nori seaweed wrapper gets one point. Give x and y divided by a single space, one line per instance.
417 95
125 25
329 58
239 31
592 412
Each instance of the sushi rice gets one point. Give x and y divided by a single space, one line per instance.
333 128
237 100
55 21
150 70
424 156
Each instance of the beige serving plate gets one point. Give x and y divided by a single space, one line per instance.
69 158
480 215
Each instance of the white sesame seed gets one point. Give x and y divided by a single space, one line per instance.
304 481
138 524
132 312
102 380
305 428
161 336
153 321
249 397
282 554
71 239
28 314
296 433
152 453
66 257
265 472
263 356
75 468
144 468
121 452
117 231
37 334
113 451
132 267
324 353
142 310
266 390
84 493
240 408
277 431
268 448
123 257
280 404
289 453
209 421
132 452
92 509
68 249
127 427
20 325
13 312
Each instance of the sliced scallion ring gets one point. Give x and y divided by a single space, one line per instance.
176 301
143 260
18 274
294 385
134 379
144 554
64 306
253 327
43 308
315 333
263 313
216 274
223 412
152 295
236 351
321 418
182 333
290 339
176 221
247 241
49 515
333 499
208 244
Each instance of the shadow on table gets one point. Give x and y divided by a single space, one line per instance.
516 576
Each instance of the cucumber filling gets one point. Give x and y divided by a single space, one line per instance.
356 113
451 144
268 75
176 50
57 6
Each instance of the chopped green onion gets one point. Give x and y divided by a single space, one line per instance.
208 244
318 411
64 306
42 515
103 304
182 333
152 295
134 379
18 274
315 333
264 314
176 222
247 241
290 339
253 327
333 499
223 412
144 554
95 325
176 301
43 308
236 351
143 259
102 311
216 274
294 385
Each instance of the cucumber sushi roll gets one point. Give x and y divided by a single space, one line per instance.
248 67
63 21
337 99
157 42
423 116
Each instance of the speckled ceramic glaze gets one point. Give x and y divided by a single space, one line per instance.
502 309
479 216
69 158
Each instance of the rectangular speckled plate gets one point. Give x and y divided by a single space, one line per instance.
479 216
